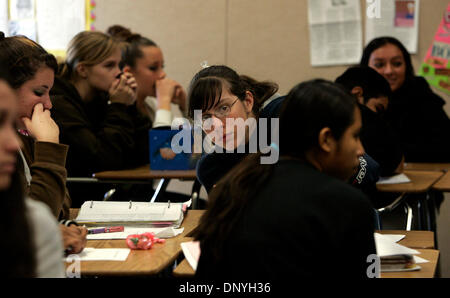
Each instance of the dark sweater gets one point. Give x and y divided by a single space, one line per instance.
101 136
380 142
301 223
417 116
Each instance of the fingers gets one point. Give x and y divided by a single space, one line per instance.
74 238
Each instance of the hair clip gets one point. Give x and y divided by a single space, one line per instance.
204 64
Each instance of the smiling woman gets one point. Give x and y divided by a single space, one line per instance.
415 112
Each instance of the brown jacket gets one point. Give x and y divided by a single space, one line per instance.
46 162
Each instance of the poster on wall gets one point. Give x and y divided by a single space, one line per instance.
4 16
51 23
396 18
436 66
335 32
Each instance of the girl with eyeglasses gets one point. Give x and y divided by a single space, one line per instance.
218 93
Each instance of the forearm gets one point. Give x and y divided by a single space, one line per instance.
48 172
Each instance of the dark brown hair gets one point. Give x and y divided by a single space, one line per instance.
382 41
132 44
23 58
207 84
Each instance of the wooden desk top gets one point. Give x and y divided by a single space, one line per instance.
144 173
414 239
421 181
426 166
443 184
422 241
140 262
428 270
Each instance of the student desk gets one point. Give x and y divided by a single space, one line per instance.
423 241
427 166
421 182
143 174
443 184
140 262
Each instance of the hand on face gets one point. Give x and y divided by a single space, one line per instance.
41 126
169 91
123 90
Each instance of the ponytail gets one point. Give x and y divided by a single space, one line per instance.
229 199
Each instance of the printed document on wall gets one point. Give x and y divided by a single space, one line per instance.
58 21
335 32
4 16
396 18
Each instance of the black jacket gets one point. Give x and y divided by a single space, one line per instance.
419 120
301 223
101 136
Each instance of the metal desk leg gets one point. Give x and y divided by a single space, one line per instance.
195 193
160 189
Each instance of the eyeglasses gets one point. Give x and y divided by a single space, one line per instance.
221 111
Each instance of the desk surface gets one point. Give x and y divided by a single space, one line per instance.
421 181
140 262
144 173
414 239
427 270
443 184
426 166
422 241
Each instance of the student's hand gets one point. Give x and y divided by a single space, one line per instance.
41 126
167 153
169 91
123 90
74 238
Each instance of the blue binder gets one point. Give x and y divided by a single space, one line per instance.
162 140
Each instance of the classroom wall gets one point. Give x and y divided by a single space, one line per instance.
267 39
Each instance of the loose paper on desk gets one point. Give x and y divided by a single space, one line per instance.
101 254
396 179
386 246
335 32
168 232
191 251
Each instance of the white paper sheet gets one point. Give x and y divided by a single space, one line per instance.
191 251
335 32
394 20
58 21
159 233
102 254
4 17
396 179
393 237
386 247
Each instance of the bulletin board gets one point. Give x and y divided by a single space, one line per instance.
51 23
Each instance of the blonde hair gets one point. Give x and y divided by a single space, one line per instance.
89 48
